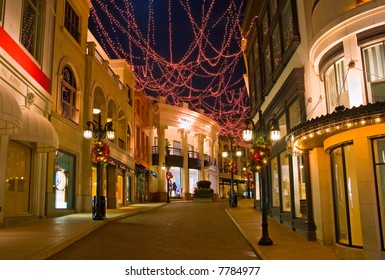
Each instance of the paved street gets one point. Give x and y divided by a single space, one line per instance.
179 231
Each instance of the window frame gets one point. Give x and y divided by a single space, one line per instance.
368 91
346 207
339 89
380 204
2 5
72 21
35 48
73 104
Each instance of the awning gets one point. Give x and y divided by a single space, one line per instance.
10 114
38 130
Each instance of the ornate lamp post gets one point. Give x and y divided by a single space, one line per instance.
233 202
98 132
251 134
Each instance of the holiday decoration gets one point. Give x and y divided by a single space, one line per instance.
231 164
169 175
101 153
183 51
259 153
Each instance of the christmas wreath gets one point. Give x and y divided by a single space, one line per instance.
231 165
169 175
259 154
101 153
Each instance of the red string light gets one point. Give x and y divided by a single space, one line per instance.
186 52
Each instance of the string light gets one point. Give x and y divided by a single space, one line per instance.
198 61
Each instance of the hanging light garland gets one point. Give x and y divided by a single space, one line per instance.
185 52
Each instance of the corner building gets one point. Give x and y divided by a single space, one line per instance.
192 141
318 66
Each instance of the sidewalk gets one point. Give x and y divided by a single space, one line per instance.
40 240
287 245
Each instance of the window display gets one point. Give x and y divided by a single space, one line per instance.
64 180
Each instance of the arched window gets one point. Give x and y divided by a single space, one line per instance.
69 99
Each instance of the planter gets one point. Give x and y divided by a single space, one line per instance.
203 192
203 195
202 199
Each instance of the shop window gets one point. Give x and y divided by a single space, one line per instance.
119 189
345 193
72 22
379 162
299 186
64 180
374 61
17 181
335 84
32 27
274 181
285 182
69 98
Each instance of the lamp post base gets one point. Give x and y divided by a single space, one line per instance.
265 241
99 208
233 201
98 217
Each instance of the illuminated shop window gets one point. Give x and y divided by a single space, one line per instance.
299 186
64 179
379 162
17 181
285 182
346 200
274 181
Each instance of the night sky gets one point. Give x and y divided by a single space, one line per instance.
185 50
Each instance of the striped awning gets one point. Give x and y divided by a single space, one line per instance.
10 114
39 131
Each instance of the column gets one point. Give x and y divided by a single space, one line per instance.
161 193
185 182
200 138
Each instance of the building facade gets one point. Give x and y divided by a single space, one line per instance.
320 73
185 144
86 83
28 139
53 75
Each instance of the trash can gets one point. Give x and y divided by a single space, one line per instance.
102 208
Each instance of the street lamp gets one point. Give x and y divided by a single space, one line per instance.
230 154
250 134
98 132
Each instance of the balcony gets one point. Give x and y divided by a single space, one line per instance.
176 158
